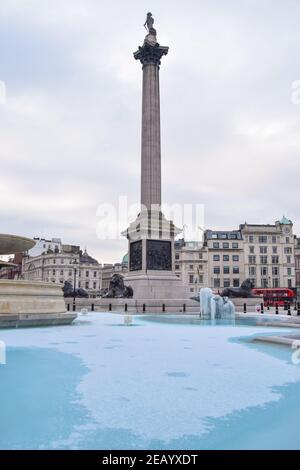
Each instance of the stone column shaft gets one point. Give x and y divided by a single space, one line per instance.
151 146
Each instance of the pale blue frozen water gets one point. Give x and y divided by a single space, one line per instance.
165 382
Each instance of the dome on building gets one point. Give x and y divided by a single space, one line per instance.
125 259
85 258
285 221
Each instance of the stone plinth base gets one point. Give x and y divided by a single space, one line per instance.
26 303
156 286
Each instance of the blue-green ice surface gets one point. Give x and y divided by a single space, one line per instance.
162 383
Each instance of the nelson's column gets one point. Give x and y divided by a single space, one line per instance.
151 236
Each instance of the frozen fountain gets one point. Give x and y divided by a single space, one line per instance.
215 306
29 303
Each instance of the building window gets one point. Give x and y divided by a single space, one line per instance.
235 245
177 266
232 236
263 260
191 266
216 245
176 255
252 270
217 283
289 271
275 271
263 249
226 269
288 260
62 260
87 284
287 239
200 256
226 245
53 272
274 250
275 259
191 278
273 238
216 257
226 283
54 261
264 271
214 235
70 272
201 279
87 273
236 282
275 282
95 273
252 259
288 250
236 270
225 257
251 249
61 272
224 235
289 282
94 285
235 258
216 270
191 289
262 239
264 282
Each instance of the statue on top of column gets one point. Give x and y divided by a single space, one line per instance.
149 24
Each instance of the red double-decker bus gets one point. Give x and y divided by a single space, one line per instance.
279 296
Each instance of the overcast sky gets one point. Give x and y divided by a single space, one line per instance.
70 128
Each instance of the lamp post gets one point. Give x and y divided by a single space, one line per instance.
75 263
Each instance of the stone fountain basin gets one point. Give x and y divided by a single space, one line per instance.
10 244
33 298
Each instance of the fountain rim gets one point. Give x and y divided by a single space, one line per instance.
14 244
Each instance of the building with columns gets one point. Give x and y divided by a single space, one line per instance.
225 258
59 266
269 253
191 264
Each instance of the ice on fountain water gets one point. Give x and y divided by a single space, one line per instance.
215 306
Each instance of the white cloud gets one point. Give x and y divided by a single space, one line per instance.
70 138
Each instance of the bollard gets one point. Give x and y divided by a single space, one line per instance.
74 307
268 307
298 308
245 308
289 309
184 308
262 307
163 307
126 307
144 308
109 307
68 307
93 307
276 309
285 306
295 306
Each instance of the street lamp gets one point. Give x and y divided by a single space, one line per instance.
75 263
